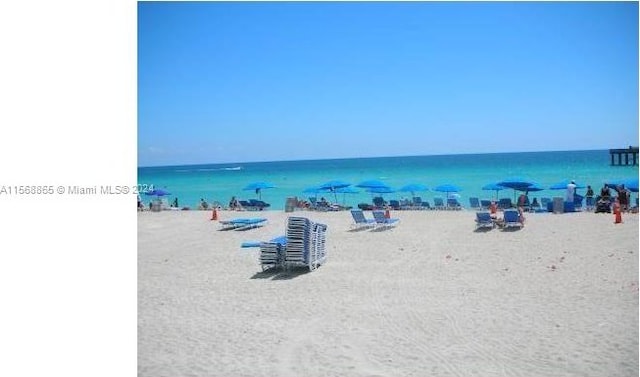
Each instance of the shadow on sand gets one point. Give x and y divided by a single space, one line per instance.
278 273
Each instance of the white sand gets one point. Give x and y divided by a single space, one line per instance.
431 297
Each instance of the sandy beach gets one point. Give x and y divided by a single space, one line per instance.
429 297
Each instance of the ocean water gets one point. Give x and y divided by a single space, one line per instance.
219 182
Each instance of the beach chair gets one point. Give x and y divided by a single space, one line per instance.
454 204
425 205
306 243
272 253
438 203
505 203
360 220
258 204
577 202
474 204
512 219
379 202
484 220
485 204
382 221
242 223
246 205
394 204
544 202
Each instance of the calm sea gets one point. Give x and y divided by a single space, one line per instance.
219 182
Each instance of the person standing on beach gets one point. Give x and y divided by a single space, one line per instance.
605 194
589 196
571 190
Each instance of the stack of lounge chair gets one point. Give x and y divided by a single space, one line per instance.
305 243
272 253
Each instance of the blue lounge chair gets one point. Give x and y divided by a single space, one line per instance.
512 219
484 220
394 204
382 221
360 221
505 203
438 203
474 204
258 204
379 202
242 223
544 202
485 203
453 203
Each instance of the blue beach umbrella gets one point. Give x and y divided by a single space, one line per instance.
344 191
372 183
332 186
413 187
258 186
562 185
534 187
493 187
516 183
447 188
380 190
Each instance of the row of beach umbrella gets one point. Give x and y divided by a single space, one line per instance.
376 186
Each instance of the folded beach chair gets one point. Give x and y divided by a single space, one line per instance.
484 220
242 223
382 221
512 219
438 203
272 253
474 204
360 220
306 243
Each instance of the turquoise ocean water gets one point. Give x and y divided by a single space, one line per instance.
218 182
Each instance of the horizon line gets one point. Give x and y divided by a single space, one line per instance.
371 157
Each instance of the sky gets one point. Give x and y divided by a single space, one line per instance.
242 82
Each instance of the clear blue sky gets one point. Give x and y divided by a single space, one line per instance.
238 82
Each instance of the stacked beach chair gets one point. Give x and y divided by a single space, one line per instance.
272 253
306 243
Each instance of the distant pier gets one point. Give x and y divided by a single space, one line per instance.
630 156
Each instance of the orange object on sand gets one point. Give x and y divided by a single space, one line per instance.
387 215
617 214
214 214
